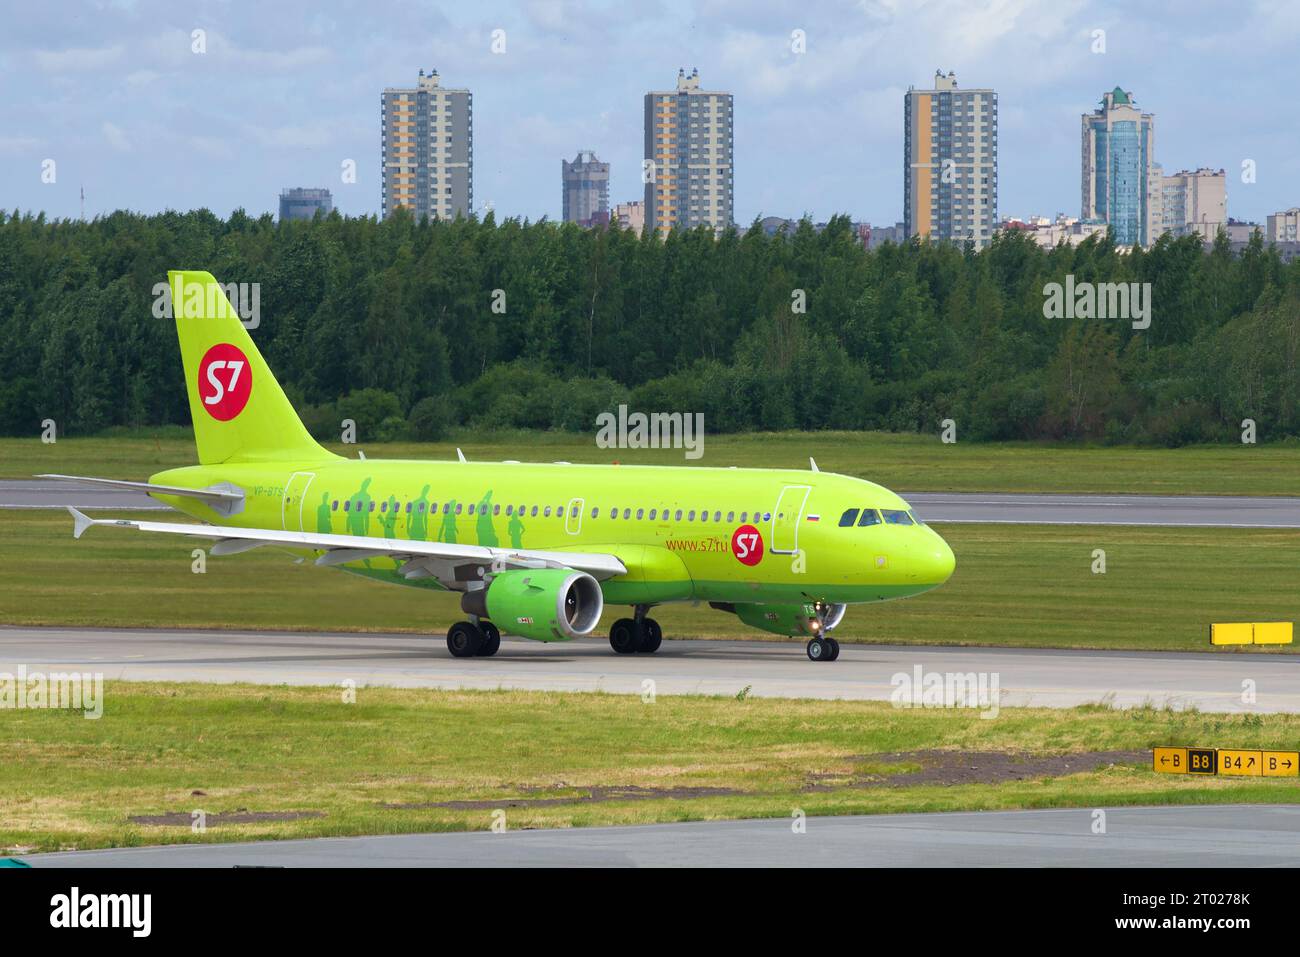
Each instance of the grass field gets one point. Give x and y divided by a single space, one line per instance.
914 463
1014 585
385 763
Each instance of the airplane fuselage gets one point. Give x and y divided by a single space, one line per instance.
685 533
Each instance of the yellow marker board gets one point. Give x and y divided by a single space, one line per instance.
1169 760
1232 633
1273 632
1240 763
1281 764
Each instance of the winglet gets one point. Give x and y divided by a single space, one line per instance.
81 522
812 462
460 455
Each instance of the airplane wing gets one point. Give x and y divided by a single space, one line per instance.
442 560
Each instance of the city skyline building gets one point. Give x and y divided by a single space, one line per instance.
427 149
585 190
688 157
950 162
303 203
1120 180
1194 201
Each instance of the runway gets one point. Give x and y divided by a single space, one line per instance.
1208 511
1201 837
1025 676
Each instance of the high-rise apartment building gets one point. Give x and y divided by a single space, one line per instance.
631 215
1121 183
688 157
1194 202
1283 226
303 203
950 165
586 189
427 162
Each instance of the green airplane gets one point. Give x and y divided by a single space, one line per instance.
536 550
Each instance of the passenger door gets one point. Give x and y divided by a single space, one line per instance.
786 518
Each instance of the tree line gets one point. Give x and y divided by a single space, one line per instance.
412 328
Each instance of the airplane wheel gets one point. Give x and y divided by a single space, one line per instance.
835 649
464 639
652 636
491 639
818 649
623 636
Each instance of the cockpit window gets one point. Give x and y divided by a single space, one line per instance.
848 518
916 518
896 517
869 517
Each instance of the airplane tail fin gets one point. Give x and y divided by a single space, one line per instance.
240 412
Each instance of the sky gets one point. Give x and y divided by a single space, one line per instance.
286 92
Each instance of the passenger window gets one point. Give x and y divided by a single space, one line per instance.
640 514
679 515
471 508
334 506
347 506
869 517
547 512
408 508
690 516
848 518
594 511
496 509
372 507
422 506
459 506
652 514
613 513
744 516
533 513
896 517
510 510
627 513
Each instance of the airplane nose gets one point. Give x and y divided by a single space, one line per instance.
945 561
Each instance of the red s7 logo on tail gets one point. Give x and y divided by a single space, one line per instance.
225 381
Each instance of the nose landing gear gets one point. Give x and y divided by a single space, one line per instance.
822 647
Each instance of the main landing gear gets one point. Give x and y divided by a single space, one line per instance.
628 636
469 639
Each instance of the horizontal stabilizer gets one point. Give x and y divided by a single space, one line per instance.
205 494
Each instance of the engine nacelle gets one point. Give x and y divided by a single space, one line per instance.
544 604
788 620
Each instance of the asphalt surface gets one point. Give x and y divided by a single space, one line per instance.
1216 511
1215 836
1024 676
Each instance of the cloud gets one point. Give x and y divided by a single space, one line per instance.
15 145
116 138
76 60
